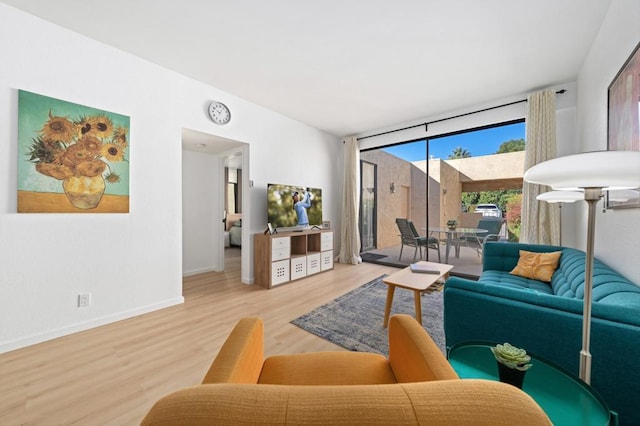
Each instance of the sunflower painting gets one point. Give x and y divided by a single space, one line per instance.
71 158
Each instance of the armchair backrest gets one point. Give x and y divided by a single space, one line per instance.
414 231
413 355
491 224
241 356
407 234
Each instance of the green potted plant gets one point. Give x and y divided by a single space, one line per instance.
452 224
513 363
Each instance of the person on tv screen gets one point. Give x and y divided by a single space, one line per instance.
301 206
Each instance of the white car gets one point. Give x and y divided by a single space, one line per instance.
488 210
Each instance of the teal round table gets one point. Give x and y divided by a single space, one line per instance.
566 399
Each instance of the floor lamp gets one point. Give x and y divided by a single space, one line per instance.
560 197
593 173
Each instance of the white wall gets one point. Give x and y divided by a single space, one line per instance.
130 263
200 185
617 231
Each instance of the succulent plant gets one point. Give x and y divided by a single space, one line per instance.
511 356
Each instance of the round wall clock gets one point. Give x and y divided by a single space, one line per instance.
219 113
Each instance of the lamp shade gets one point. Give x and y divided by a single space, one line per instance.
608 170
624 195
561 196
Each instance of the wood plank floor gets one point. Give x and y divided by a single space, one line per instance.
111 375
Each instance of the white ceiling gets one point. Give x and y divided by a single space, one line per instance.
348 66
212 144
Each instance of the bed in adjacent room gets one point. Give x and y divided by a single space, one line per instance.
233 230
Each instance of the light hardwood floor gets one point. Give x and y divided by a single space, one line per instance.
111 375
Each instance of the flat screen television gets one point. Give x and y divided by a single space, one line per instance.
296 207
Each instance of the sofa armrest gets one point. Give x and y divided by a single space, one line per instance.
450 402
413 355
241 356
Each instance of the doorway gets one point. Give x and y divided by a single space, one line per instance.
368 208
232 205
207 160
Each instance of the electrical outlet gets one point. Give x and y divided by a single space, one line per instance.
84 300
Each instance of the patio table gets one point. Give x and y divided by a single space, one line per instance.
458 232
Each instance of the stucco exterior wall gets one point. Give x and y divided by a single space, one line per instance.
448 179
418 198
450 193
391 169
509 165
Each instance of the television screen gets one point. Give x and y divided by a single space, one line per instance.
291 206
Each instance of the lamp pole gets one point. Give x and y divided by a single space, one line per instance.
591 196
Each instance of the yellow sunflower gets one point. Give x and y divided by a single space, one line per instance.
99 126
76 154
91 144
120 136
113 152
91 168
58 129
112 177
56 171
83 126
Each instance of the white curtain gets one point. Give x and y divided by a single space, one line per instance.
540 220
350 235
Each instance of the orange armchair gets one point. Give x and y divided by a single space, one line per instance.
414 385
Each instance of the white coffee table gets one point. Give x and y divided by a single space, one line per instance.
414 281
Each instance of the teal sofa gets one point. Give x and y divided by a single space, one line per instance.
546 318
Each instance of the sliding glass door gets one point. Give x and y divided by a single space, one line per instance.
368 218
442 178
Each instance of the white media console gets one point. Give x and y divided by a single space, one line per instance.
287 256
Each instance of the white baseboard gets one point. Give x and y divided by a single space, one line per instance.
200 271
75 328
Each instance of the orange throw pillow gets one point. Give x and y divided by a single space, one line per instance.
537 266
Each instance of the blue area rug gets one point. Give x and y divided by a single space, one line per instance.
354 320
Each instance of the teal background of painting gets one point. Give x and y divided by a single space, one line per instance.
33 112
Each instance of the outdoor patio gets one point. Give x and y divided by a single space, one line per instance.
469 264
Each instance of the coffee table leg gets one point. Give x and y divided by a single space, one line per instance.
387 306
416 295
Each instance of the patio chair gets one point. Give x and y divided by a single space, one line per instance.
476 241
409 237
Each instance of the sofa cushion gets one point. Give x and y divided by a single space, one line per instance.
505 279
327 368
537 266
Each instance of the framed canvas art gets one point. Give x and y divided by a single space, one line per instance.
71 158
623 125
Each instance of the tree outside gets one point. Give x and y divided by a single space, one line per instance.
459 152
512 145
509 201
514 217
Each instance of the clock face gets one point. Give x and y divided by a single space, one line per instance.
219 113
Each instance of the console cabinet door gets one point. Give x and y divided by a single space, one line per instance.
280 248
326 241
280 272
